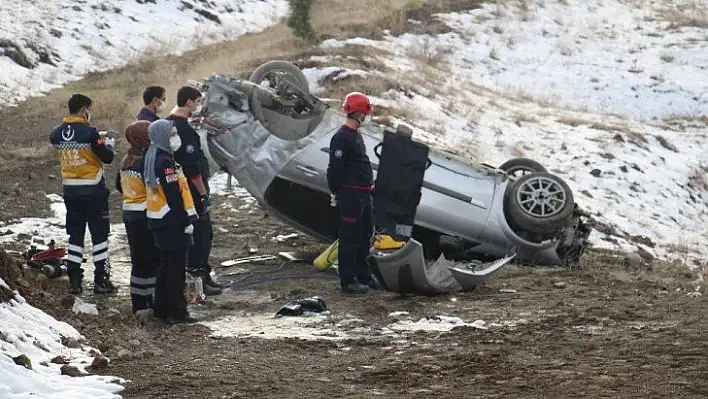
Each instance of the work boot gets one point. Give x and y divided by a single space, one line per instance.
210 289
105 287
206 277
374 284
355 288
144 315
75 287
208 284
183 319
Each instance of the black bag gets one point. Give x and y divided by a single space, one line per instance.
399 180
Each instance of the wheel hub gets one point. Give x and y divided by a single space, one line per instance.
541 197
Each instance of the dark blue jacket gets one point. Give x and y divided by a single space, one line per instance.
349 166
181 213
146 115
191 156
82 154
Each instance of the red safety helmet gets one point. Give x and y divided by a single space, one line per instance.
356 101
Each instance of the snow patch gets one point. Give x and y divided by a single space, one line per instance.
54 227
318 326
58 41
26 330
434 323
323 326
586 88
218 185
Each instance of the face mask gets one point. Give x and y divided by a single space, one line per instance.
197 109
175 143
88 116
161 108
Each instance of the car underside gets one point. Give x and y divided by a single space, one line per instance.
272 135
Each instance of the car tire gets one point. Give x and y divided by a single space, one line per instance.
298 78
539 204
280 125
522 165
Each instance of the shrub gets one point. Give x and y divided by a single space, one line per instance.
299 20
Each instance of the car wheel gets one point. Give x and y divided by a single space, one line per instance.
540 204
295 74
279 113
517 167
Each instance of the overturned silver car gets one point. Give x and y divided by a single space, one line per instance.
272 135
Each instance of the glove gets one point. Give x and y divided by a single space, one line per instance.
332 200
206 204
109 142
189 229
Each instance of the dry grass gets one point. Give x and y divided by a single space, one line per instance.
605 265
9 272
372 84
34 151
688 15
427 54
117 93
699 178
572 121
666 144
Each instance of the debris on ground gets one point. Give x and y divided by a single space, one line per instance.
84 307
301 307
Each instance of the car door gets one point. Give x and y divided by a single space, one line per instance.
309 167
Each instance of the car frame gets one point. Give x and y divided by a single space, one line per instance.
274 139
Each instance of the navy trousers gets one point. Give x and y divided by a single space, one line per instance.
198 254
169 287
356 227
91 210
145 260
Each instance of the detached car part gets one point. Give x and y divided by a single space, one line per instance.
406 272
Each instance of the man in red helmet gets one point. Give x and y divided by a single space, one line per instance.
350 179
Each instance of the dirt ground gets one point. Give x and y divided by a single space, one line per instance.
606 328
602 329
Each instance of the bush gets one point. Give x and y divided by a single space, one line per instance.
299 20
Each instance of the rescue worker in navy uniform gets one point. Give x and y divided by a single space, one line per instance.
350 180
196 168
171 215
155 103
82 153
144 255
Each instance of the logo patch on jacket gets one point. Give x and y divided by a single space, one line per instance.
190 149
172 178
67 134
338 153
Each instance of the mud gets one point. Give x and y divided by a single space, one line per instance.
599 330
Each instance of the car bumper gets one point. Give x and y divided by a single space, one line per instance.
405 271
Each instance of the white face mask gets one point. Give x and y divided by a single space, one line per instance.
175 143
161 108
196 110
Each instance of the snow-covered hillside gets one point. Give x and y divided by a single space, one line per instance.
610 95
46 44
26 330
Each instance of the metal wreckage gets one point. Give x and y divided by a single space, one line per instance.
460 221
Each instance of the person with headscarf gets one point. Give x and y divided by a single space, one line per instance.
171 216
144 255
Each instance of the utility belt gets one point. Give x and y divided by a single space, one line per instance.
362 187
